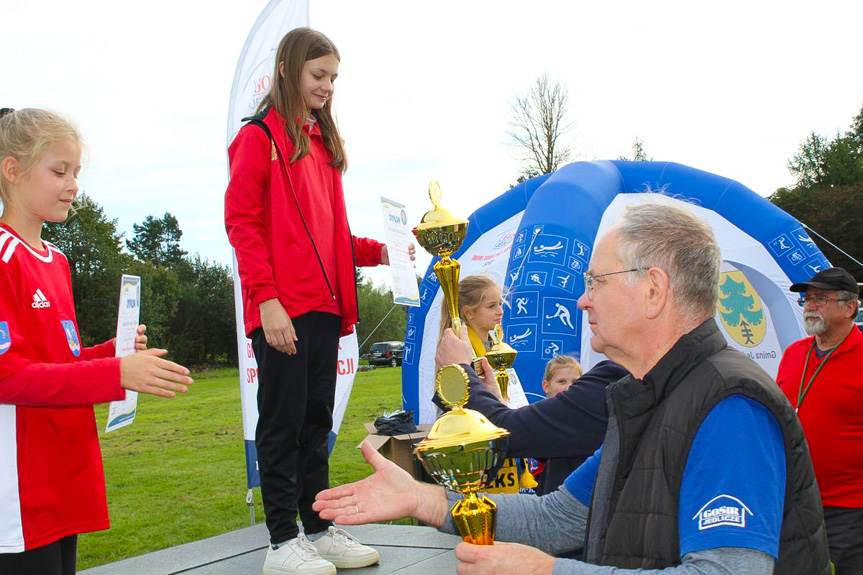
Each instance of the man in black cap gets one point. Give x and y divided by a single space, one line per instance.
822 376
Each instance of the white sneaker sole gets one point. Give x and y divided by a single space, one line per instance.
342 562
278 570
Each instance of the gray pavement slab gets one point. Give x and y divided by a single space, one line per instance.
404 549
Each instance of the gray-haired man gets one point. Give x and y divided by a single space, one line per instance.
704 468
822 376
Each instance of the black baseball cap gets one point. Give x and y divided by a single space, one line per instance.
829 279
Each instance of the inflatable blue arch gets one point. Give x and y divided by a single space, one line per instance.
537 238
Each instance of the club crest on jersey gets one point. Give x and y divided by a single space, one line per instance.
722 510
5 340
72 337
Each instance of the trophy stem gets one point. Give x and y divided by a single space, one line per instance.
476 519
447 271
502 378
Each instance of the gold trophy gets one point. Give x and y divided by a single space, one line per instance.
441 234
462 451
501 357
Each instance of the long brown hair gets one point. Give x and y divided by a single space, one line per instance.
298 47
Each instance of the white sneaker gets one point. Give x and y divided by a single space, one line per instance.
344 551
296 557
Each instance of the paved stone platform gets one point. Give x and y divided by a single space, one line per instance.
404 549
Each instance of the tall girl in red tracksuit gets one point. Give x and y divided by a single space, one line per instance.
285 217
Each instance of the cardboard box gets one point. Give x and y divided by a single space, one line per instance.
399 448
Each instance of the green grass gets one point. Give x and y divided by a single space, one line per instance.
178 473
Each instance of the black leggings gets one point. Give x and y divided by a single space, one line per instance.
56 558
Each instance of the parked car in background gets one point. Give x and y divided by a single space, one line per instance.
859 319
387 353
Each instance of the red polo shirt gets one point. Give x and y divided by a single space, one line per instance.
831 413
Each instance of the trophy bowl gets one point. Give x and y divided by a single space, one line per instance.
441 239
500 357
462 450
441 234
464 468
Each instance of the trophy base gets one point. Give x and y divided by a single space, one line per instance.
476 519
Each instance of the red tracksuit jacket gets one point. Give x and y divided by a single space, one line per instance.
276 256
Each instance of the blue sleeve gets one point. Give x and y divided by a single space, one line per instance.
733 487
580 482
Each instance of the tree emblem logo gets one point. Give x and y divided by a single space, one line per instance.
740 309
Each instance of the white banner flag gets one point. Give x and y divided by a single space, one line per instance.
252 80
254 74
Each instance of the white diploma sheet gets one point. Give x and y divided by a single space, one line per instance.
122 413
398 239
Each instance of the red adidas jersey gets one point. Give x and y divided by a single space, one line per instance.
51 479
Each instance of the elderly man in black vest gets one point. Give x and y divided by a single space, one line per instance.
704 468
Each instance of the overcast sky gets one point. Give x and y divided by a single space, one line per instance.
424 91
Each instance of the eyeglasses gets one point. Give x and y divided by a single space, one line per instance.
817 300
588 280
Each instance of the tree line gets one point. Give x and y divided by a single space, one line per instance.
828 194
186 301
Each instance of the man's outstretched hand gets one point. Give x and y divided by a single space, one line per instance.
390 493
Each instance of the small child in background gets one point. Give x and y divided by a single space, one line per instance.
561 371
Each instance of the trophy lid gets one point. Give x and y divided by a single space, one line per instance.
459 426
439 216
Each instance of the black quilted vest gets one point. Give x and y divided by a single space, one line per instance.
657 419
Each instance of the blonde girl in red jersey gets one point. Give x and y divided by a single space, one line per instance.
52 486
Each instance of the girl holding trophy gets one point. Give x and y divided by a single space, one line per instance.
481 310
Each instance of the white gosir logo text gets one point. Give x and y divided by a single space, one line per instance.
39 300
722 510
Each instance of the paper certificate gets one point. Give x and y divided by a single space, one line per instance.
399 237
122 413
